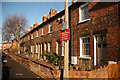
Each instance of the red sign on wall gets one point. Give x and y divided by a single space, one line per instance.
65 35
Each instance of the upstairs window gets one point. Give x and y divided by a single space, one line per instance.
63 20
36 48
45 46
32 36
50 27
28 37
42 31
83 13
49 47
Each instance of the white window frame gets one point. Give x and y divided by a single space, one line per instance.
36 48
63 49
32 36
28 37
95 60
45 46
81 54
49 44
39 50
80 17
31 48
50 25
56 47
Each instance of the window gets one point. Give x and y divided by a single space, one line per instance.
32 36
37 33
58 48
83 13
49 47
63 20
62 48
50 28
39 51
28 37
31 48
85 47
45 44
101 38
36 48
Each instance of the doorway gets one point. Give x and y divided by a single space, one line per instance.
101 50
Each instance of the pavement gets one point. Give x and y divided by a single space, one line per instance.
11 70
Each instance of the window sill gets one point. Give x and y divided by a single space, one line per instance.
83 21
84 57
41 35
49 33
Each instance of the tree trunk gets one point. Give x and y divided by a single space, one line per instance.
18 47
18 40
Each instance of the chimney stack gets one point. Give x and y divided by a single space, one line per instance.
35 24
53 12
74 1
31 27
45 17
26 31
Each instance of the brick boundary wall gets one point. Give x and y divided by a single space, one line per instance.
46 70
40 68
97 73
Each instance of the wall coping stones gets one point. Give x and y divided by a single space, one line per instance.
35 61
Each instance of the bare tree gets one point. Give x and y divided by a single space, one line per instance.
13 28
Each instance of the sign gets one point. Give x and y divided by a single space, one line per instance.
65 35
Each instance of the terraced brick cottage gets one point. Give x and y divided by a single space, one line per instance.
94 38
45 36
95 33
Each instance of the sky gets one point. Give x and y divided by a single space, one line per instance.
33 11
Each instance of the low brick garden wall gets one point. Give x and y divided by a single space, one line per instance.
97 73
46 70
41 68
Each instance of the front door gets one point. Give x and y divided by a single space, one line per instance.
101 50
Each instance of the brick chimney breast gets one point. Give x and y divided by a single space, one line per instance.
53 12
36 24
45 17
31 27
26 31
74 1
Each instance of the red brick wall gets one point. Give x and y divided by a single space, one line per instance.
42 69
40 32
46 70
113 44
103 16
97 73
49 37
